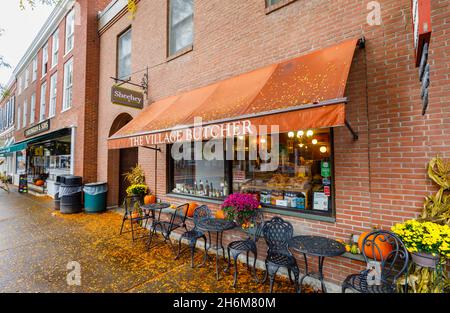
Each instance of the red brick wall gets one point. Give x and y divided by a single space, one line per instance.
83 113
381 178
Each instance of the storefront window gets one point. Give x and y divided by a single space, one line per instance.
301 179
202 178
50 159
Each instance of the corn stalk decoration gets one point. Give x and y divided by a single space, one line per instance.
437 207
437 210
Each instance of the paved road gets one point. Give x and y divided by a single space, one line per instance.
37 244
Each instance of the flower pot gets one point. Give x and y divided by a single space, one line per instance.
425 259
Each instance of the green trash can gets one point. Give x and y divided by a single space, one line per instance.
95 197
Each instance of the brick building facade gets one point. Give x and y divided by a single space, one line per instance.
57 82
381 178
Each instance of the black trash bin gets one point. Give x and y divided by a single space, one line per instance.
70 193
59 181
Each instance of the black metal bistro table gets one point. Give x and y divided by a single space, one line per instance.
152 208
217 226
316 246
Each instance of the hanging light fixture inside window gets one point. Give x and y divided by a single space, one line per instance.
300 133
291 134
323 149
314 141
309 133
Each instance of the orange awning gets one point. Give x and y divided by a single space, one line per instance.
305 92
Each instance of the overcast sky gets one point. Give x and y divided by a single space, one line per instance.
20 28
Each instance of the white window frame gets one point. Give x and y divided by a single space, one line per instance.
45 60
123 57
27 78
32 108
174 26
70 31
53 94
68 85
35 68
43 105
25 113
20 85
55 48
19 116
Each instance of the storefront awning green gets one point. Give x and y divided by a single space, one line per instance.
13 148
23 145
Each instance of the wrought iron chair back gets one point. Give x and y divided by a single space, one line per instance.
178 218
200 213
393 264
277 233
258 221
131 202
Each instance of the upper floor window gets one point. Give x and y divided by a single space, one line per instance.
124 55
35 66
32 108
25 113
272 2
70 30
53 89
10 112
181 25
55 48
43 104
45 60
19 88
68 83
19 116
27 77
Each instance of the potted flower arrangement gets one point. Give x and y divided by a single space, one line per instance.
240 208
137 189
427 241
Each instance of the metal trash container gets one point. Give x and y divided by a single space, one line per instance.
95 197
59 180
70 193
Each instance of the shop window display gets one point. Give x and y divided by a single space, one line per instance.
201 178
48 160
301 180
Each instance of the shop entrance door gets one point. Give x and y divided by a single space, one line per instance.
128 159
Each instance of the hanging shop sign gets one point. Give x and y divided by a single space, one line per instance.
37 129
127 97
421 19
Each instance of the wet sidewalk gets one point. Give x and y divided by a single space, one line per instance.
37 244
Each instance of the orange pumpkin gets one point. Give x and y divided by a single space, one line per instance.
220 214
135 215
191 209
149 199
383 246
39 182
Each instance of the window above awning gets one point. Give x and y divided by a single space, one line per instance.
305 92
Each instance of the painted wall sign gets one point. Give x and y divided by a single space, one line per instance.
127 97
37 129
421 20
215 131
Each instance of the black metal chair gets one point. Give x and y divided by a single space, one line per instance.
248 245
131 203
194 234
177 220
392 266
277 233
